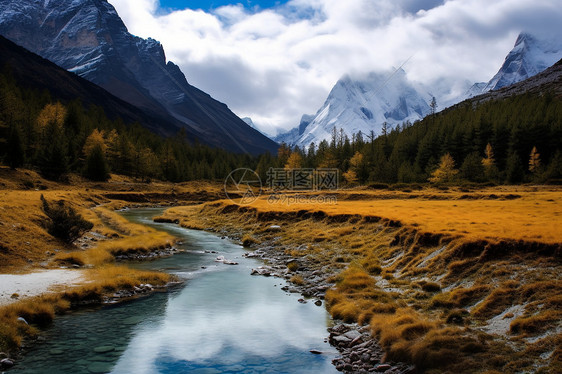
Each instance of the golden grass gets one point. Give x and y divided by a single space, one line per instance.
535 216
249 240
441 274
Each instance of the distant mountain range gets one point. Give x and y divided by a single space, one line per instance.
365 103
87 37
362 104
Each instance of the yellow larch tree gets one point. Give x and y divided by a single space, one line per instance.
446 170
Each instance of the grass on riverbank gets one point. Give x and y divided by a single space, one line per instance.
24 242
459 298
38 312
25 245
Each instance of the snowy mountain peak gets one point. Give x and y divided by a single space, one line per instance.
530 56
362 104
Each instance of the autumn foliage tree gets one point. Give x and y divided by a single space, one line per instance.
446 170
294 161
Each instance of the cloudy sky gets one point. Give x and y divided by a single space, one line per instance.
275 60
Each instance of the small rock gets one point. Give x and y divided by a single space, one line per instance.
353 334
341 339
6 363
318 303
302 301
356 341
315 352
104 349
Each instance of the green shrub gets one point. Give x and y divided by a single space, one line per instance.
64 223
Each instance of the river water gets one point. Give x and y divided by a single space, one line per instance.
223 320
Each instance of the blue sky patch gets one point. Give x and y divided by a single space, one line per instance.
207 5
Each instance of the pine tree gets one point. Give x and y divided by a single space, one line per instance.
472 168
433 105
446 170
514 169
96 165
52 158
15 153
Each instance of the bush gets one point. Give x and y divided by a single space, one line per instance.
65 223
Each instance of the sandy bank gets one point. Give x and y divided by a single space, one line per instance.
33 284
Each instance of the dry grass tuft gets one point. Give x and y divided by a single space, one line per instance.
249 240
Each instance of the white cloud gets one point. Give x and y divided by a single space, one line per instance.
276 64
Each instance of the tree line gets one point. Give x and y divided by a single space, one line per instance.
513 140
37 131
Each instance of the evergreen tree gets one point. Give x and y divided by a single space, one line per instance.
514 169
52 158
472 168
96 165
15 153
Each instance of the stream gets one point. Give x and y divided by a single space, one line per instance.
222 320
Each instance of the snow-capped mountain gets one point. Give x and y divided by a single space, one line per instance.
292 135
530 56
362 105
89 38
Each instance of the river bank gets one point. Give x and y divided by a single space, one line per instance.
423 297
43 276
221 320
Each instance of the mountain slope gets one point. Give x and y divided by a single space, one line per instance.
362 105
33 71
529 56
87 37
